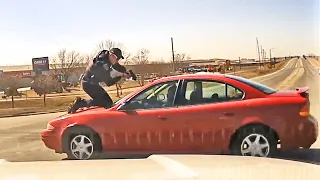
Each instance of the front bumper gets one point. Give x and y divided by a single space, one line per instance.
51 139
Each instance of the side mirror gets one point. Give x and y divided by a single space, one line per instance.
161 97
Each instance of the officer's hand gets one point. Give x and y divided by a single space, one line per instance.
125 75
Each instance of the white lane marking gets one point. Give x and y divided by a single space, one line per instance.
3 161
173 167
23 176
295 75
267 75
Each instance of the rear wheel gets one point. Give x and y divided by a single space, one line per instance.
254 141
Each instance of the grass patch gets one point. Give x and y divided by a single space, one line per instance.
54 102
34 106
79 91
263 71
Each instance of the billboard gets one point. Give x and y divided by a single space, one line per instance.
40 64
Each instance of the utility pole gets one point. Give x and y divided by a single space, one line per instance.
140 56
265 55
173 63
262 55
274 61
258 53
261 51
270 54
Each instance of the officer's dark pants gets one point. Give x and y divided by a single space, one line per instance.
99 96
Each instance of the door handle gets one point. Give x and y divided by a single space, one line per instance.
228 113
162 118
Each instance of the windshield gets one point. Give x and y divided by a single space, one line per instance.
123 99
256 85
145 93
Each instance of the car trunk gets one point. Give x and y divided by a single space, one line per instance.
303 101
302 92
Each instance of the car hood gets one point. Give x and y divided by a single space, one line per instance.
163 167
88 111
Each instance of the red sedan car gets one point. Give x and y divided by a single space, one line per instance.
198 113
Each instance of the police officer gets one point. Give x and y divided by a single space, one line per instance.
104 68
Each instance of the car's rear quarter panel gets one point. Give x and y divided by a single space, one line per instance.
279 113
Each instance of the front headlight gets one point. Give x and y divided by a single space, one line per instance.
49 127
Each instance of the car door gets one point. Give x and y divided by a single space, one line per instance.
149 117
209 112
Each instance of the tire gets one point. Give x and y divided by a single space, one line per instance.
82 144
266 146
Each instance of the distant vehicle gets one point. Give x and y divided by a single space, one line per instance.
8 92
194 113
192 69
304 57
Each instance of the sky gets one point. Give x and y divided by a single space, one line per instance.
202 29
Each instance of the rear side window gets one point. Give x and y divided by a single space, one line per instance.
260 87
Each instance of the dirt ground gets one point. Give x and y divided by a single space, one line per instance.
263 71
55 104
315 62
78 90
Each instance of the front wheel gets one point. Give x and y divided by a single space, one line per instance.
81 147
254 141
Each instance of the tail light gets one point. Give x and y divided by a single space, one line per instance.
305 110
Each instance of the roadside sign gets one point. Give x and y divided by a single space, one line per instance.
45 72
26 73
40 64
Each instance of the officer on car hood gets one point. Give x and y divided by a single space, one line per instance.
104 68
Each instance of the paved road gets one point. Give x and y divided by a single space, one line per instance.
20 141
311 79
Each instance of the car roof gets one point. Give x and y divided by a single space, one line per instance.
202 75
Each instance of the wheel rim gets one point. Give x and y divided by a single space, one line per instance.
81 147
255 145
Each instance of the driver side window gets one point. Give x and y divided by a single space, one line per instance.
161 95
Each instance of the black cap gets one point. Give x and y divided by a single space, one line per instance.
117 52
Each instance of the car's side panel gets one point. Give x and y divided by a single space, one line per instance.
141 130
210 126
